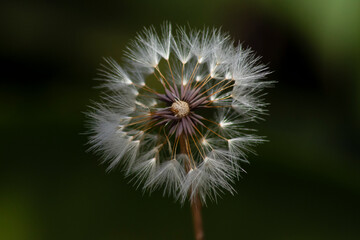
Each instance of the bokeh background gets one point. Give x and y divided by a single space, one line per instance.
303 184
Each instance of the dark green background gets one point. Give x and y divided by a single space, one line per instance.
304 183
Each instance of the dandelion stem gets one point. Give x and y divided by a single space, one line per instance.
197 218
195 203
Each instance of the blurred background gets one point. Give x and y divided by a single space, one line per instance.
303 184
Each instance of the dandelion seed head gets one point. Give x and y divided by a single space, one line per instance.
173 117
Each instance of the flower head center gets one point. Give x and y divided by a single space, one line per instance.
180 108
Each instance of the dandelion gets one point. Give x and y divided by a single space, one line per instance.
172 117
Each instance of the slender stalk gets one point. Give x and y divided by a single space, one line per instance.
196 203
197 218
